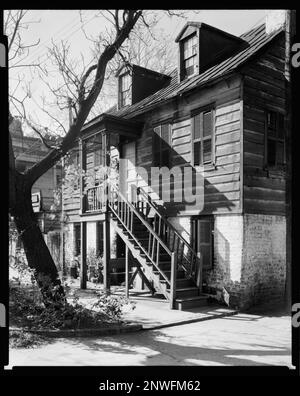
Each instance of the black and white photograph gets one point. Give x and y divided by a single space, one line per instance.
150 217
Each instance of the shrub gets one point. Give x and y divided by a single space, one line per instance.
27 311
95 264
112 306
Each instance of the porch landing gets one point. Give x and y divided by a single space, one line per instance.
153 312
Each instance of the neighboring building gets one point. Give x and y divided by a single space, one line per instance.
46 199
226 110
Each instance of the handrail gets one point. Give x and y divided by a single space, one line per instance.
145 223
189 261
147 226
165 219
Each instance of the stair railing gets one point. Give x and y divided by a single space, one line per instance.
126 212
186 256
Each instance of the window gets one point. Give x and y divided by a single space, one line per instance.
161 146
202 232
202 138
189 51
125 90
274 143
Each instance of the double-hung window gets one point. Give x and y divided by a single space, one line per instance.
125 90
161 146
202 138
189 51
274 140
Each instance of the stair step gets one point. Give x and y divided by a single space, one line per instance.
187 292
181 283
180 274
191 302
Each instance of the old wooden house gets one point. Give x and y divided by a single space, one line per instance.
224 110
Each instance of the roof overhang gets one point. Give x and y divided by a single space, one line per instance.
113 125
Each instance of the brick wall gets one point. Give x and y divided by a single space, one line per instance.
264 258
249 258
228 248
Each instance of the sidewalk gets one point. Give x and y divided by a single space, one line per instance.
172 338
153 312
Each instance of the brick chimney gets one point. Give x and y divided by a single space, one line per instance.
275 19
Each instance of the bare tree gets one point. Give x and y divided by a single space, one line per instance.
20 206
80 88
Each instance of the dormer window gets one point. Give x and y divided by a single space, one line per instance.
136 83
202 46
125 90
189 55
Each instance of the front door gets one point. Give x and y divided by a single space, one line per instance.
127 170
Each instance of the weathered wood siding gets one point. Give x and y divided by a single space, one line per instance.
222 180
264 89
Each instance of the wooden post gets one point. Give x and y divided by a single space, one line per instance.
106 224
126 271
106 253
82 166
83 265
173 279
199 271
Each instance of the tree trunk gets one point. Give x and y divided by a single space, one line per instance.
36 250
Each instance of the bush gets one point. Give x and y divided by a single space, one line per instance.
23 339
112 306
95 264
27 311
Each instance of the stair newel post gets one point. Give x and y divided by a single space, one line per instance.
198 265
173 279
126 271
106 223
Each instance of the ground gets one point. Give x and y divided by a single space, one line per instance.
235 339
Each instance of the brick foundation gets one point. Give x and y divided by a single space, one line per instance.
249 259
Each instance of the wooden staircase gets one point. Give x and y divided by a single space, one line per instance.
170 265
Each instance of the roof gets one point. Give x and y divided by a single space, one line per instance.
256 39
200 25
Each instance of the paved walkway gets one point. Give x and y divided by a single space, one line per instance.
234 339
154 312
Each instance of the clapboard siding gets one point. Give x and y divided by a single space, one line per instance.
221 179
264 88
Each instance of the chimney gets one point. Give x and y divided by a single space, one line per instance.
275 20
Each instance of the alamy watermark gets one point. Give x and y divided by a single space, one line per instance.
177 184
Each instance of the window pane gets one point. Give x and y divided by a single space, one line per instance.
156 142
197 153
165 132
207 150
207 124
196 132
189 66
280 153
156 159
281 126
190 47
165 158
271 152
271 116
